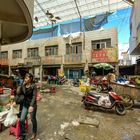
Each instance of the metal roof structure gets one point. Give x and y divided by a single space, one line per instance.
48 11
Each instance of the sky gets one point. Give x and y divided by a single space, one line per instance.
120 20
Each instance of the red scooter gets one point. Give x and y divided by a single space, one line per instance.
112 101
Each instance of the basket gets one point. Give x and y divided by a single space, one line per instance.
7 91
4 99
84 88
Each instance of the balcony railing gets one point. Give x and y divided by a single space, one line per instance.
54 59
73 58
4 61
32 60
16 61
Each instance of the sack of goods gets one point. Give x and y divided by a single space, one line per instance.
11 117
104 101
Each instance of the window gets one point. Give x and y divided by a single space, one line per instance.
75 48
32 52
4 55
99 44
51 50
17 54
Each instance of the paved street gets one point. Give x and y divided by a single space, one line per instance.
62 116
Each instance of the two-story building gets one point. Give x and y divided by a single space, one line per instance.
45 56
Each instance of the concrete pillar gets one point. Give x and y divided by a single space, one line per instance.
9 70
117 70
41 73
68 73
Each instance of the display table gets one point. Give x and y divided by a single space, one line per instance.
134 91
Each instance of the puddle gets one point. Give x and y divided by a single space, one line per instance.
127 137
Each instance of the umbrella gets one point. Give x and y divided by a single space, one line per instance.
104 66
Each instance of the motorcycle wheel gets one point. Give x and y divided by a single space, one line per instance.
98 88
127 100
120 109
87 106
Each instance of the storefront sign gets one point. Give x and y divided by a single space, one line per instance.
104 55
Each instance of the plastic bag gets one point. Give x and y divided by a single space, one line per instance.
11 117
104 101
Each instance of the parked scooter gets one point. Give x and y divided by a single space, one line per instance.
108 102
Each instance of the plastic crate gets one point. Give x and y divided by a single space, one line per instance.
84 88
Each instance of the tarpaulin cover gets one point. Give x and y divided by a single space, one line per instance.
69 28
96 22
45 33
89 24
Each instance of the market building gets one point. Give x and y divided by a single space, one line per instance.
45 56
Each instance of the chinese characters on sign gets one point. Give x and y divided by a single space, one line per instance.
104 55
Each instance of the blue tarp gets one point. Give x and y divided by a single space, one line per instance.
45 33
88 24
100 20
69 28
96 22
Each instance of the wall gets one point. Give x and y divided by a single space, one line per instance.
98 35
61 42
135 29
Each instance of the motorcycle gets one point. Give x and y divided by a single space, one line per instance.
75 82
108 102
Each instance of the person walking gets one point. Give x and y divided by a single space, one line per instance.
26 97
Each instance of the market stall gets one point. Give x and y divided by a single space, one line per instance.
5 96
133 90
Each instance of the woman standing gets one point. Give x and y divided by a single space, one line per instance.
28 104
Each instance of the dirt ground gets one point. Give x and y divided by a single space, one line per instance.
61 116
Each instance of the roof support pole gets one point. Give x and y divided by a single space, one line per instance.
130 2
79 15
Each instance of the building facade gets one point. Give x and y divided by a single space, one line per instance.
135 32
70 52
135 29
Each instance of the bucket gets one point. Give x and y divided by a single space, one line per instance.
4 98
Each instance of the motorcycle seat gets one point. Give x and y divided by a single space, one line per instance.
94 95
